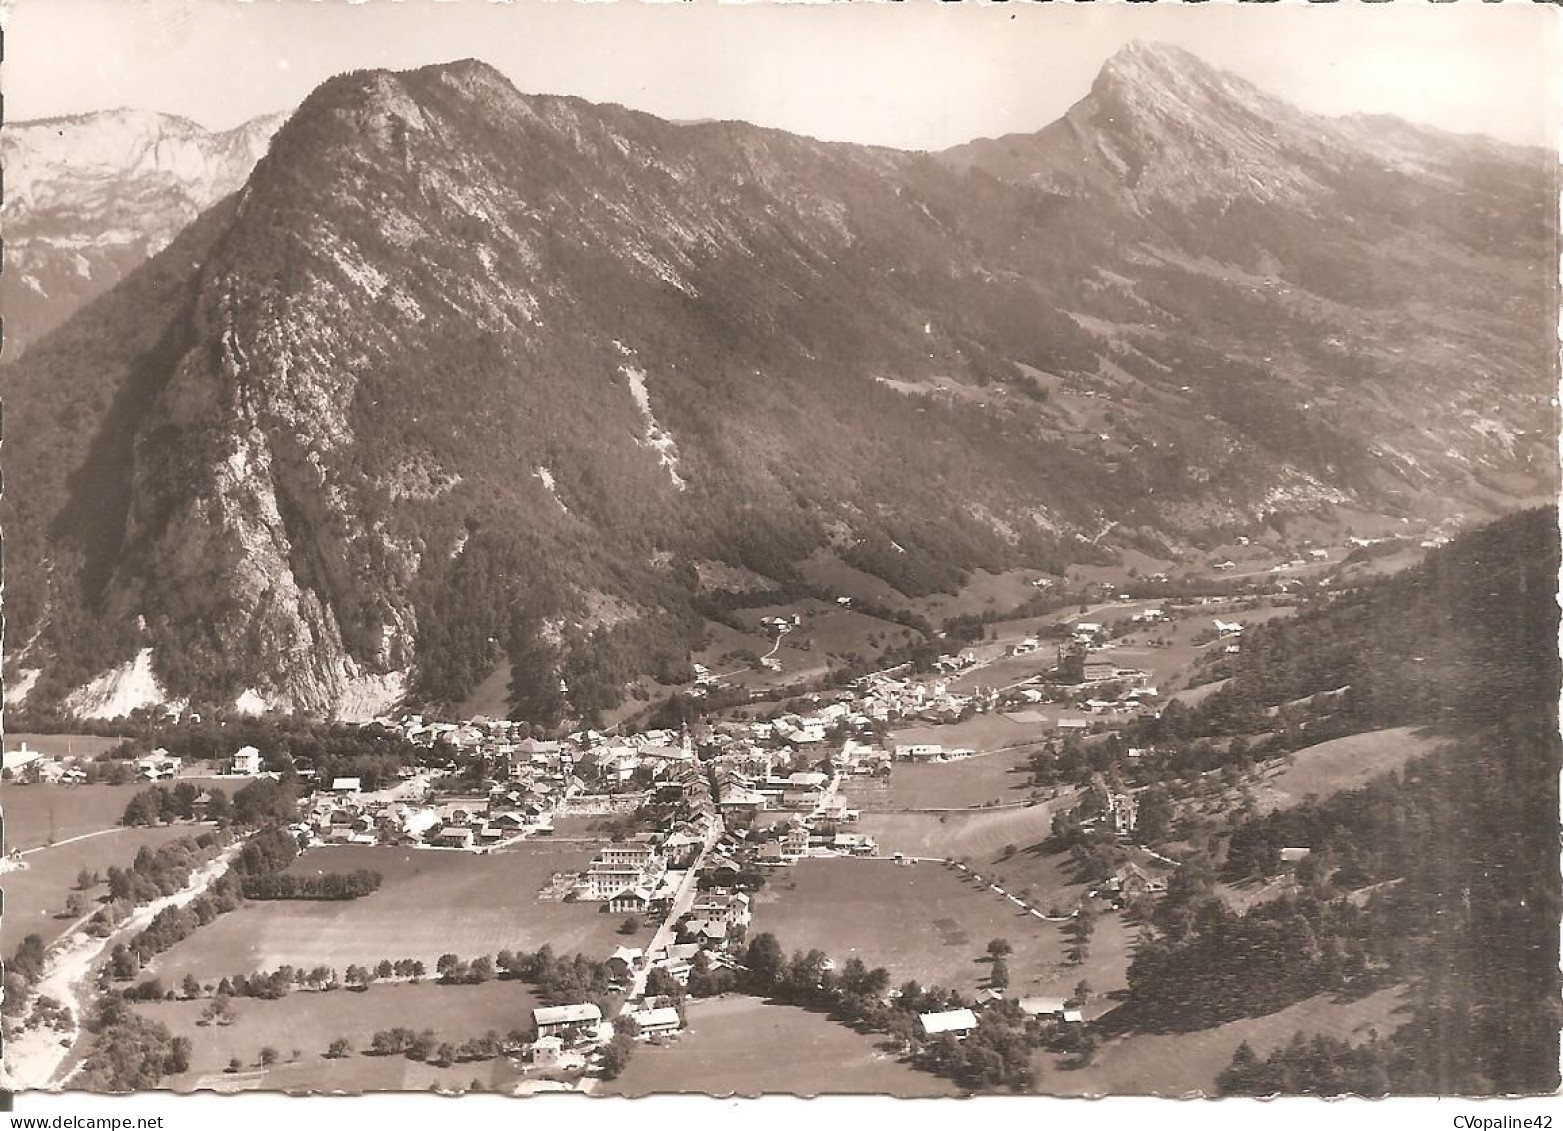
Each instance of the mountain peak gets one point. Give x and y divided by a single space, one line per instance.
1161 124
1171 82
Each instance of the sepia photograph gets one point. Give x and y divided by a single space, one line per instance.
765 549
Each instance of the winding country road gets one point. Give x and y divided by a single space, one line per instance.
42 1059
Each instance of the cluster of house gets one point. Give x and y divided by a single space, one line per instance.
34 766
344 814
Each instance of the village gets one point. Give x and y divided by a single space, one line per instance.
688 829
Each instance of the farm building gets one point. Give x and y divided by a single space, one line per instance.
655 1022
1099 668
627 957
566 1020
19 759
958 1022
1052 1007
454 836
547 1051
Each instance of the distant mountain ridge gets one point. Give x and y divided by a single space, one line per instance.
463 376
89 197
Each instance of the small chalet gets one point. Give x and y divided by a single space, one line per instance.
454 836
1049 1007
656 1022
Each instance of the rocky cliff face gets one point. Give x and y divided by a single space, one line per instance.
89 198
463 375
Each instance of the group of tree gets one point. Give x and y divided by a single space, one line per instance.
22 972
129 1052
997 1055
426 1045
325 886
163 805
1319 1066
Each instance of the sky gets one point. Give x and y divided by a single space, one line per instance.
918 75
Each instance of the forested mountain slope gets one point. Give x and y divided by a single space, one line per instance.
463 375
1443 876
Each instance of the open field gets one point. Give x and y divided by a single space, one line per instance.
982 592
744 1046
355 1075
1193 696
310 1021
979 733
924 921
431 902
1339 765
1129 559
981 834
723 640
43 814
63 745
966 782
491 697
1176 1064
1169 663
36 894
827 637
1006 671
826 570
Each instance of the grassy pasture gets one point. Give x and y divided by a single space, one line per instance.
491 697
980 835
826 570
1179 1064
983 591
1339 765
971 781
431 902
36 815
979 733
744 1046
924 921
36 894
310 1021
63 745
312 1074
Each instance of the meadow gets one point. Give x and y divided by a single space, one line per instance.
431 902
1339 765
982 592
980 834
979 733
979 780
491 697
738 1045
827 571
35 895
922 921
63 745
309 1022
37 815
1181 1064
